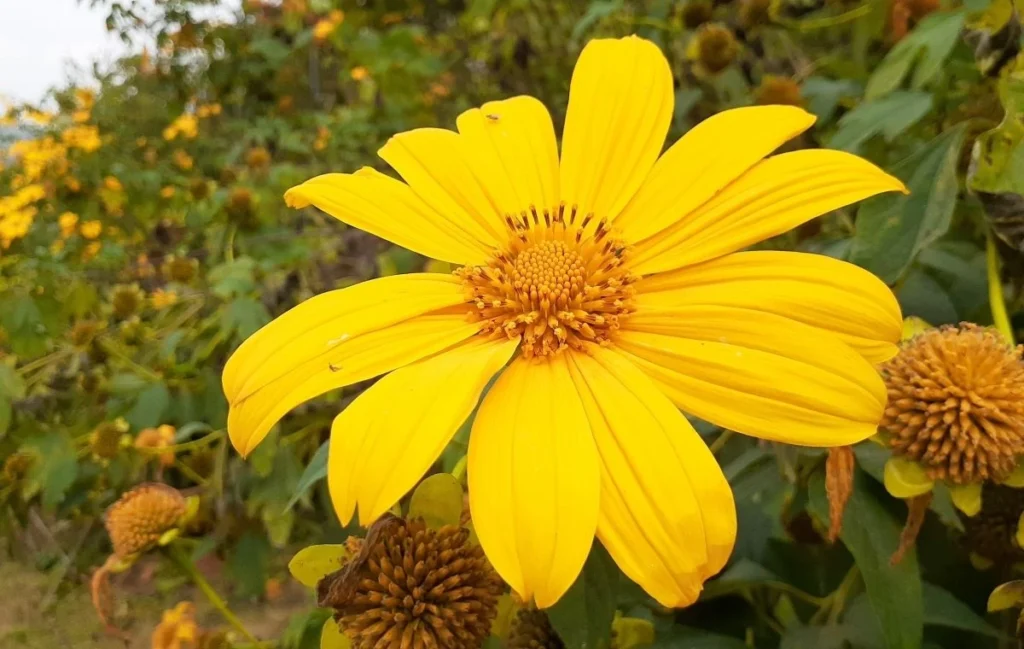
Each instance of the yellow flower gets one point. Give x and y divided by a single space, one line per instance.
113 184
167 191
158 438
185 125
91 250
67 222
85 138
162 298
182 160
327 26
91 229
359 73
609 281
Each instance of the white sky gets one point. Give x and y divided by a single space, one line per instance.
41 39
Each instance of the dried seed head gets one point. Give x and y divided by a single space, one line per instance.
83 332
755 12
992 532
716 46
257 158
180 269
414 588
141 516
696 13
956 404
105 439
778 90
126 299
16 466
532 630
199 188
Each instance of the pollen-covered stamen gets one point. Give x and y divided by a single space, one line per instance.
560 282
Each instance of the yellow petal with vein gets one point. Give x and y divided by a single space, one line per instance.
758 373
438 165
512 146
383 443
704 161
905 478
620 105
775 196
667 513
388 208
335 339
533 479
825 293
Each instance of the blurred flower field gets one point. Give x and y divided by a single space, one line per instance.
145 236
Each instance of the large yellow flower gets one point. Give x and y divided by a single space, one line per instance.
608 285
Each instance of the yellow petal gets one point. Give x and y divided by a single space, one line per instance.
438 165
335 339
1016 478
967 498
819 291
775 196
758 373
386 207
667 513
513 149
905 479
533 479
384 442
620 105
701 163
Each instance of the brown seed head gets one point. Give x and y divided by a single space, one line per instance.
199 188
696 13
716 46
956 404
240 206
532 630
992 532
755 12
16 466
126 300
181 269
778 90
141 516
83 332
105 439
417 588
257 158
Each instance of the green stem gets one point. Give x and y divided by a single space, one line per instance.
189 568
43 361
459 471
112 349
995 290
720 441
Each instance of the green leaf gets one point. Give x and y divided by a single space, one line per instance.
311 564
583 617
823 95
11 385
927 47
681 637
871 535
438 500
243 317
54 467
598 9
332 638
941 608
920 295
889 117
249 563
150 407
835 636
893 229
6 415
234 278
315 471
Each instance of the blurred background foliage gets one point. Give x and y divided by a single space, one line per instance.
143 236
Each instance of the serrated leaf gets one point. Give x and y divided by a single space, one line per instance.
889 117
583 617
438 500
149 407
311 564
872 535
54 467
927 48
893 229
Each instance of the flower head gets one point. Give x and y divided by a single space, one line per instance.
137 521
157 438
995 533
602 289
107 438
531 629
417 587
956 404
716 47
778 90
126 299
257 158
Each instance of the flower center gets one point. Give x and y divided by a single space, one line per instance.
560 282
